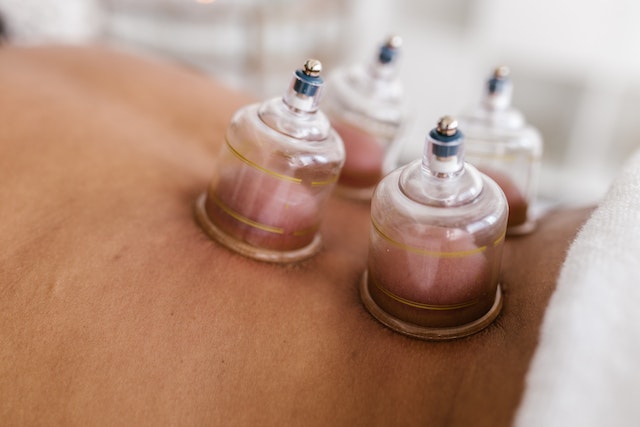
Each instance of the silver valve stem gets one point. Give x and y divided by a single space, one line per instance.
312 67
394 42
502 72
389 50
304 92
498 89
447 126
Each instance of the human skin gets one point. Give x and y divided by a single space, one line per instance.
364 157
262 211
518 205
448 276
117 309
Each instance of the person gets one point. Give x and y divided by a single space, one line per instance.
116 308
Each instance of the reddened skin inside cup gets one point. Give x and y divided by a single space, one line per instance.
364 157
446 281
267 212
518 206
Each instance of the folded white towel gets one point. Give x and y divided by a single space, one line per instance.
586 369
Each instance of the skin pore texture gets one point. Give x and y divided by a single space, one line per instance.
117 309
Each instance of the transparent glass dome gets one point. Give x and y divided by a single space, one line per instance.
501 144
364 103
274 174
437 233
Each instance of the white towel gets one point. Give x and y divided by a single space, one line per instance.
586 369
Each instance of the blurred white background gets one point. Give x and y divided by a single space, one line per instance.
575 64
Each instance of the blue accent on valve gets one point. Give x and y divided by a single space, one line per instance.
306 84
496 84
387 54
446 148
